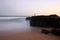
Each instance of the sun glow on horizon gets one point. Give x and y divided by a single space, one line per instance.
47 11
47 7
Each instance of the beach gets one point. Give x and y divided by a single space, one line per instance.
19 29
30 35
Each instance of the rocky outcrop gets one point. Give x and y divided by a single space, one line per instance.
28 18
45 21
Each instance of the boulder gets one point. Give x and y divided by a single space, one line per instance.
55 32
45 31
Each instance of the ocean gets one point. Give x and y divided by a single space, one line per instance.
13 24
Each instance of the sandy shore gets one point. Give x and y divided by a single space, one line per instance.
33 34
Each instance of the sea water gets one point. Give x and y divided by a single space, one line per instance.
13 24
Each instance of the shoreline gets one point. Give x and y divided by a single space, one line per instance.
34 34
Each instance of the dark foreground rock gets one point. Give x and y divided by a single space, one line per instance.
55 32
45 31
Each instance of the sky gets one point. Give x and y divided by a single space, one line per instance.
29 7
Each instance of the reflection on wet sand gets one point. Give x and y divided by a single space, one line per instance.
33 34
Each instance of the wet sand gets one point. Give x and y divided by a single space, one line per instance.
33 34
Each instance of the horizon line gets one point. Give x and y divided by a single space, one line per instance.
13 16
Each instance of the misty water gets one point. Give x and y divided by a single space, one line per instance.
13 24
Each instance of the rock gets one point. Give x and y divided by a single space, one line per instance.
45 31
45 21
28 18
55 32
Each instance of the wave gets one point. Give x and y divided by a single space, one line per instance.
12 20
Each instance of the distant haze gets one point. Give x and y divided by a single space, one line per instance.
29 7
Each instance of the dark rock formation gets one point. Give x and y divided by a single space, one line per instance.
45 21
45 31
55 32
28 18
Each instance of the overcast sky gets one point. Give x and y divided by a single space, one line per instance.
29 7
